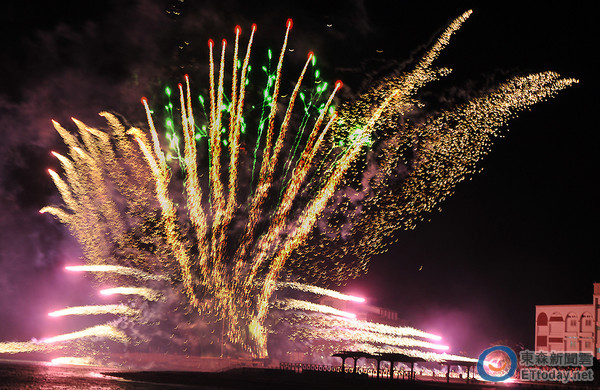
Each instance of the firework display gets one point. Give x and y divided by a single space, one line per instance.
320 291
284 207
95 309
116 269
106 331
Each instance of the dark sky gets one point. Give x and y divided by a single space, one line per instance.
520 233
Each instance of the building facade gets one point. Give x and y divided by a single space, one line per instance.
569 328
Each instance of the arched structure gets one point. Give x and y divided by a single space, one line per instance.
569 328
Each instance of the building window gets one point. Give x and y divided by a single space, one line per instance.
571 322
588 345
587 322
542 319
542 341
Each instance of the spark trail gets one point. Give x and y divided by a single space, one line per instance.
363 336
225 245
116 269
321 291
296 304
73 360
146 293
426 355
355 324
103 331
15 347
120 310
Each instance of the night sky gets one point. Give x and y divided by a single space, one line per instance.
521 233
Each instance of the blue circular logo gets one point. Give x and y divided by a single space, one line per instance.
498 367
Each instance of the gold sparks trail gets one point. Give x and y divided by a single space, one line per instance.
225 246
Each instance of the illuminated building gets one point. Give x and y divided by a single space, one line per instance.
568 328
